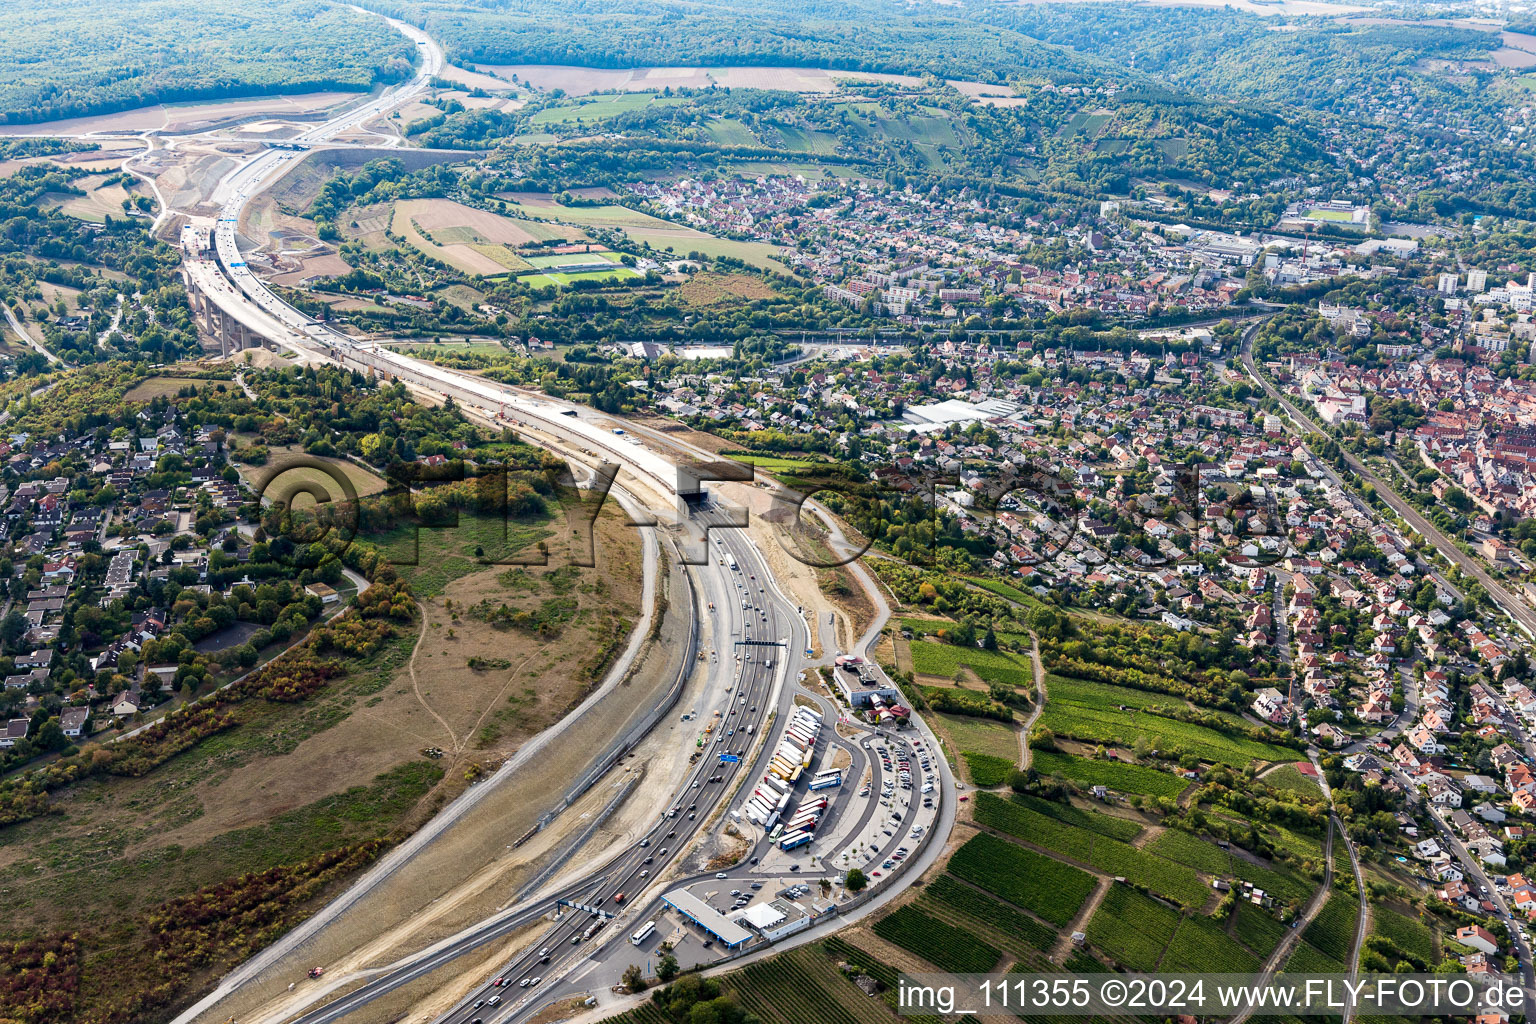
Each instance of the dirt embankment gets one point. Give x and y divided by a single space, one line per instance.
473 869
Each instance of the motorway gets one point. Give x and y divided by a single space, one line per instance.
569 940
750 693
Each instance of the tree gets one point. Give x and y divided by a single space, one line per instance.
855 880
666 967
634 978
12 629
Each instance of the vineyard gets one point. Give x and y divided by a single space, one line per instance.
1132 928
1200 946
1286 777
931 659
1308 959
1108 855
1257 930
802 986
1122 778
864 962
1092 712
1104 824
646 1013
945 890
1297 844
945 946
1408 935
1183 848
1288 885
1332 932
985 769
1005 590
1050 889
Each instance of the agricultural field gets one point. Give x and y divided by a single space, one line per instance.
281 477
993 913
99 202
431 558
502 256
1051 890
944 660
1332 932
601 108
1092 712
167 386
774 464
1407 934
1106 854
469 240
1183 848
661 235
706 289
945 946
1132 928
1200 946
986 770
982 735
1122 778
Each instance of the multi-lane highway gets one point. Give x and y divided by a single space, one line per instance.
752 636
737 718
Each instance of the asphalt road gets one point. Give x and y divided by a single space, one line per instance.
569 942
1512 606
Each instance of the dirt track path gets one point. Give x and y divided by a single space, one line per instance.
453 740
1034 716
1293 936
1079 923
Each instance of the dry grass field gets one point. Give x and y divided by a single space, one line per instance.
578 81
450 223
346 764
653 231
718 289
280 461
170 386
473 241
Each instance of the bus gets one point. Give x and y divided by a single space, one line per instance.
773 836
826 782
645 932
794 839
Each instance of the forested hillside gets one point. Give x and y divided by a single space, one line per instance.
878 35
70 58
